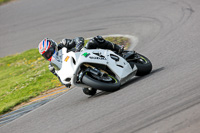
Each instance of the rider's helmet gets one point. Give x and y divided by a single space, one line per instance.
47 48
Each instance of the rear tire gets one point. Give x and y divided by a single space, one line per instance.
143 64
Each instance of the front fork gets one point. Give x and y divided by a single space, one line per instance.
89 70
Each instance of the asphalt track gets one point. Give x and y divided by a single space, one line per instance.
166 101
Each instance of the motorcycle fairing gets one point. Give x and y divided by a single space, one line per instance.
118 65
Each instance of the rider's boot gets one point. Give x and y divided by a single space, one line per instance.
119 49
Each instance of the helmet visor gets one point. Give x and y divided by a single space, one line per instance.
48 54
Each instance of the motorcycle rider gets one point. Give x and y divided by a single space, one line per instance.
52 52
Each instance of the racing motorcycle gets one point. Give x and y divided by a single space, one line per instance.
100 69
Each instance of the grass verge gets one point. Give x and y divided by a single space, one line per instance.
4 1
26 75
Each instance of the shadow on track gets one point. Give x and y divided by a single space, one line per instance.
135 79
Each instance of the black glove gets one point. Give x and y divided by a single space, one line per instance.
52 69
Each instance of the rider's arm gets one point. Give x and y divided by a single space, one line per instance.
52 69
68 43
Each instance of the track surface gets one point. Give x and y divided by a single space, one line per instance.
165 101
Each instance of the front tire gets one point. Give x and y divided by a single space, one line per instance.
95 83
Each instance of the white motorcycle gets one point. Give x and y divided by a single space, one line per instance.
100 69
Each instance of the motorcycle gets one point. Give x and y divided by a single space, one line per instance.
100 69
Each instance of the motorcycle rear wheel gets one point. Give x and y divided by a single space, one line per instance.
143 64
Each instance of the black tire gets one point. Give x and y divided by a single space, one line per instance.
144 66
100 85
89 91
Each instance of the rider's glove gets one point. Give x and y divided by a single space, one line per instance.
51 69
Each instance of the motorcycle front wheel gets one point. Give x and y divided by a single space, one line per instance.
106 83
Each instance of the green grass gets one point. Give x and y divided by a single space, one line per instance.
118 40
26 75
23 76
3 1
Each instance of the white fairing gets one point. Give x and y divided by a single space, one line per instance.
70 68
